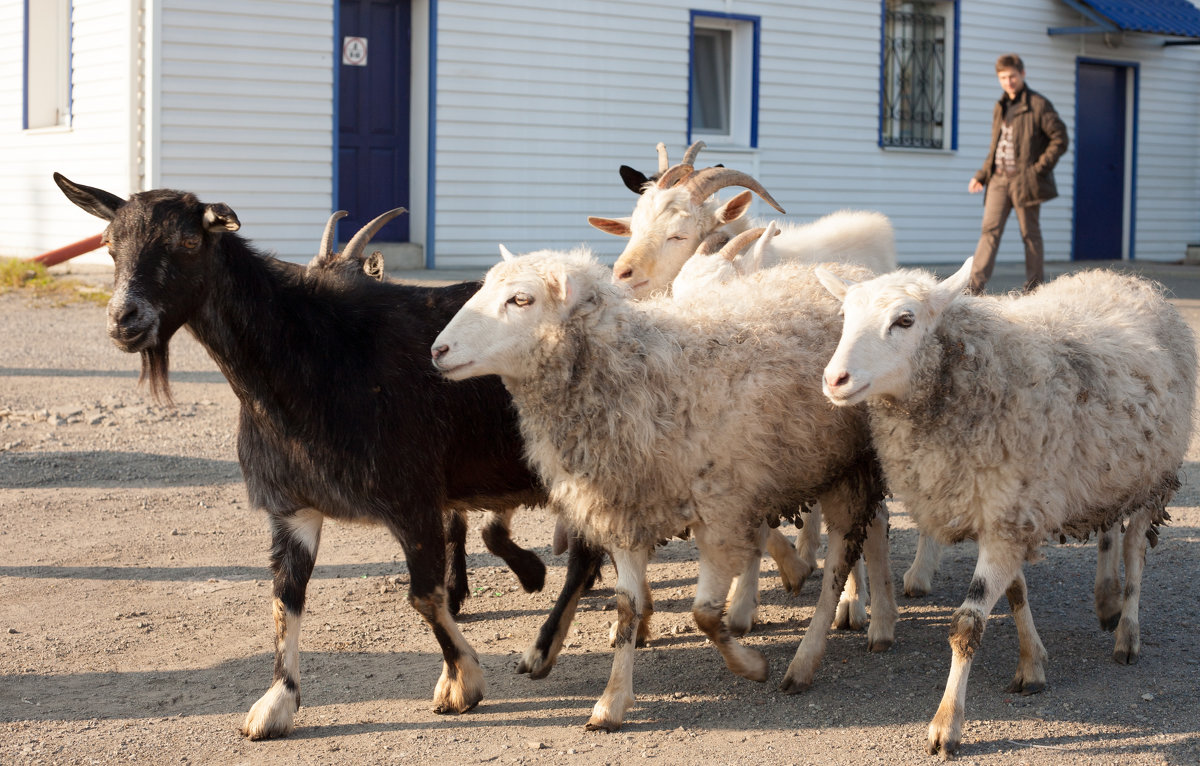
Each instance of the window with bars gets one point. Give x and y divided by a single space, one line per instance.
917 77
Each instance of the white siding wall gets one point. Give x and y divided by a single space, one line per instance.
246 113
94 150
537 106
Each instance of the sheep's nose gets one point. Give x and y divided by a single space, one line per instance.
624 275
440 351
836 379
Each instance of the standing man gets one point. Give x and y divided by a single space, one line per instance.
1027 139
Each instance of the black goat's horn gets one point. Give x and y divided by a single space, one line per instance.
326 251
358 242
689 157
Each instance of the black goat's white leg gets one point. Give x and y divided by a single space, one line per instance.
457 587
1108 577
717 565
460 687
609 711
995 570
884 612
1031 670
583 562
1128 642
918 579
526 565
295 539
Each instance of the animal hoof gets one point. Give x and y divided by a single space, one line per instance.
596 725
536 663
879 645
1110 622
791 686
532 575
915 591
1123 657
1025 688
851 615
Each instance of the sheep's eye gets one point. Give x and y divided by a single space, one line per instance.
521 300
677 238
905 320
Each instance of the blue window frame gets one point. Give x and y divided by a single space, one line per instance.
918 74
723 78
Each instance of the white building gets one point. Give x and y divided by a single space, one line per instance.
496 121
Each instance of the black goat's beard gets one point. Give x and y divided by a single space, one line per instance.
155 366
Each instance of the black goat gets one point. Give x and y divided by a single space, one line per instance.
353 263
635 180
341 413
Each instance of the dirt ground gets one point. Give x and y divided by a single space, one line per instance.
135 620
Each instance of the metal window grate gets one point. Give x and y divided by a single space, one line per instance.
914 77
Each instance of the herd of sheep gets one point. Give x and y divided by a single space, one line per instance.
721 376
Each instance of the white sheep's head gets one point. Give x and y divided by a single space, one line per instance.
884 322
671 219
498 331
705 271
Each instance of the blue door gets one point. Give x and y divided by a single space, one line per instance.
373 108
1099 162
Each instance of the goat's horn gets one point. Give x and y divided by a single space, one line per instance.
689 157
705 183
768 234
675 175
358 242
663 164
739 243
326 251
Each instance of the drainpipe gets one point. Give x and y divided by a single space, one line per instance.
68 252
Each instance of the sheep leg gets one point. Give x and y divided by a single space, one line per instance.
884 612
711 587
851 611
583 562
809 540
460 686
457 588
295 538
526 565
1031 670
995 570
918 580
743 598
793 569
1128 639
803 667
1108 578
609 712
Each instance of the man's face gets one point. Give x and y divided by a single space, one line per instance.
1011 81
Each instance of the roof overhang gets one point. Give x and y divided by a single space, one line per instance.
1170 18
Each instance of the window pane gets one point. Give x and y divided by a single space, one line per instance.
914 78
711 65
47 57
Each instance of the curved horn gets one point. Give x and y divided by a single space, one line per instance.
326 251
705 183
754 261
739 243
505 253
663 164
675 175
713 243
689 157
359 241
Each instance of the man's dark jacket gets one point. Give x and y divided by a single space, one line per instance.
1039 139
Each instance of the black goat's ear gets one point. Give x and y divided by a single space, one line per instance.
98 202
220 217
635 180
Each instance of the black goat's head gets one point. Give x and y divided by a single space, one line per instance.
162 243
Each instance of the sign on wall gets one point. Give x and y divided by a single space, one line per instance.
354 51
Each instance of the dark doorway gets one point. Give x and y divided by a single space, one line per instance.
373 113
1101 145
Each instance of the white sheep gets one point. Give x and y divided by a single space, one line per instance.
651 419
1010 420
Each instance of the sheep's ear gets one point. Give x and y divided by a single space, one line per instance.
618 226
635 180
736 207
953 286
98 202
505 253
837 286
559 284
220 217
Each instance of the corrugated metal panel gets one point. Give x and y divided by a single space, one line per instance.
1164 17
247 113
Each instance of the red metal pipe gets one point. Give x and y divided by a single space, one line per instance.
67 253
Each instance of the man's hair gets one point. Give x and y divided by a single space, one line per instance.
1010 61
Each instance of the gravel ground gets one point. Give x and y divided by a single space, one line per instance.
135 617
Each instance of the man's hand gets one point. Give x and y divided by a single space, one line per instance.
974 186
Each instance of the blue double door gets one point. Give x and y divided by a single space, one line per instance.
374 94
1101 152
